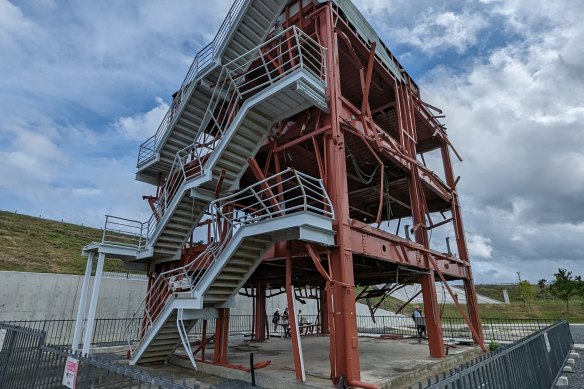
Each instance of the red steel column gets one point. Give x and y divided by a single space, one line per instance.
432 314
221 336
345 341
260 313
324 325
469 288
417 199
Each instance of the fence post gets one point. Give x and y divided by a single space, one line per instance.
37 364
11 336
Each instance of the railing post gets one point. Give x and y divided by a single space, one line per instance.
104 229
302 189
324 66
140 237
295 30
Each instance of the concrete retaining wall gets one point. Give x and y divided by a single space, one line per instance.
40 296
44 296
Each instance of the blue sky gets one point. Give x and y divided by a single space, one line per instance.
84 83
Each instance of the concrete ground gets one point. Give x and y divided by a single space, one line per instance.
387 363
576 378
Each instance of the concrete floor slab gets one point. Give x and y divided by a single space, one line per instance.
384 362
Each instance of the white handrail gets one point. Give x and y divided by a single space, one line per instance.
280 195
241 78
236 83
201 61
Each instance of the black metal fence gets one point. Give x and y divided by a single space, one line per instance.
26 362
112 332
531 363
19 356
107 332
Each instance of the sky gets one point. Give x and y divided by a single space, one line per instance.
84 83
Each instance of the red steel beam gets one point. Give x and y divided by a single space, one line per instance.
471 299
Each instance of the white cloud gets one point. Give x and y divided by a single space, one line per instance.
437 32
13 25
372 7
479 246
141 125
83 77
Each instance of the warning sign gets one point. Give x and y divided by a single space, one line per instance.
70 375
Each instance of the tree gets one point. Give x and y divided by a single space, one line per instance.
565 286
543 291
526 290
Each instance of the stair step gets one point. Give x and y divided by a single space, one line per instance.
235 157
231 276
162 251
164 344
167 245
213 298
255 13
241 262
229 166
251 244
172 239
225 282
152 359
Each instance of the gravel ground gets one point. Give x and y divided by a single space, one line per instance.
576 378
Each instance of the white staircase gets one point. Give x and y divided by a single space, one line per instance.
289 205
237 88
281 77
246 26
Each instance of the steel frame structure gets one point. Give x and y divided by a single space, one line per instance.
377 119
361 91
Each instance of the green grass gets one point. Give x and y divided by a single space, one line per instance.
32 244
543 309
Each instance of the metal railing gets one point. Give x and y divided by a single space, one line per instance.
240 79
534 362
280 195
111 332
27 362
201 62
99 372
59 332
19 356
125 232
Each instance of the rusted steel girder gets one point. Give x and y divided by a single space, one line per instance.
221 336
346 346
260 320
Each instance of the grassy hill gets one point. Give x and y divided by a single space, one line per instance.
33 244
539 308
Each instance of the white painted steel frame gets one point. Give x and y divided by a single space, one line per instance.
93 304
81 310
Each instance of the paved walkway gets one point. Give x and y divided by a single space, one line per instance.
576 378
